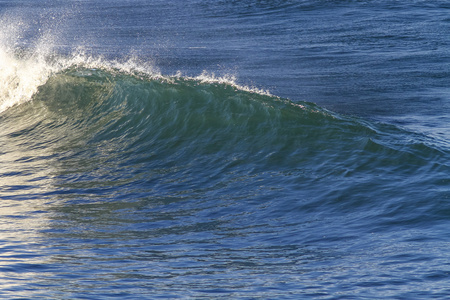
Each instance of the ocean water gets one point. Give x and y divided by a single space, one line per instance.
225 149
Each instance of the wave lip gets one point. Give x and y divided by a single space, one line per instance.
20 78
23 72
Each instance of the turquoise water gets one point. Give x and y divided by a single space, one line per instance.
253 149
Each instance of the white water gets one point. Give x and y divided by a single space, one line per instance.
24 67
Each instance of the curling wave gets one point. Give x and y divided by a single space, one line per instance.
115 131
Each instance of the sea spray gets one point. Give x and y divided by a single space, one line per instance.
22 69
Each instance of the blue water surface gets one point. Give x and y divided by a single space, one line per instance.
224 149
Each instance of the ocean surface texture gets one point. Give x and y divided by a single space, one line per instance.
221 149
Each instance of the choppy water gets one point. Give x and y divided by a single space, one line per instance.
224 149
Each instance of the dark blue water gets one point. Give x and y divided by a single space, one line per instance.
224 149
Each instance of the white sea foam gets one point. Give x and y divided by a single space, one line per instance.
20 77
24 67
228 79
21 71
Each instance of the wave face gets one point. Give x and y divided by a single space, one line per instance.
175 134
112 132
187 166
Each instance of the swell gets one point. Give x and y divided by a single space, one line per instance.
110 134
